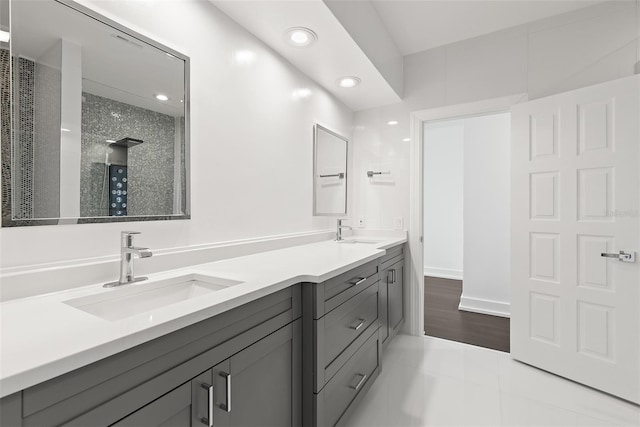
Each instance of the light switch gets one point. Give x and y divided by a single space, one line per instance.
398 223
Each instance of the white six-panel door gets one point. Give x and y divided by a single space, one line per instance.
576 195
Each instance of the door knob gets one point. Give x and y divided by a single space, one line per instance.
621 256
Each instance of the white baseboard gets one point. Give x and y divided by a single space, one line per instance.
444 273
483 306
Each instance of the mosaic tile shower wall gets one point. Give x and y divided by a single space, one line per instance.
150 164
5 131
23 103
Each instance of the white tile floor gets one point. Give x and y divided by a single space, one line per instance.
428 381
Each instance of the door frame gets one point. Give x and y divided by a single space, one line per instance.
415 264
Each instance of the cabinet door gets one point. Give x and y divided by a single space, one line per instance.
396 295
385 278
260 386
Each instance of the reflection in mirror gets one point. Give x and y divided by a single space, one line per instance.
329 173
99 119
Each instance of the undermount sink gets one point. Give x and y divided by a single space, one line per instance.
362 241
129 300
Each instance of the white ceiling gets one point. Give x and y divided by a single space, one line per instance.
413 25
333 55
418 25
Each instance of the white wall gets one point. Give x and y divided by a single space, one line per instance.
443 196
381 200
251 143
554 55
487 212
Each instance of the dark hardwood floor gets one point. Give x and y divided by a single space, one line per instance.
442 318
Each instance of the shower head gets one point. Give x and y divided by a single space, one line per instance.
127 142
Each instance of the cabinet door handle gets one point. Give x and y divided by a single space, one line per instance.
209 420
359 325
391 280
227 378
357 280
362 380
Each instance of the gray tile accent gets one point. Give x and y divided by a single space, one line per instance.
5 132
24 75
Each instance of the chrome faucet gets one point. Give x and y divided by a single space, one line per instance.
127 252
340 227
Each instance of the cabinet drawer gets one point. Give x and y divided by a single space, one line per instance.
332 293
174 408
352 380
342 326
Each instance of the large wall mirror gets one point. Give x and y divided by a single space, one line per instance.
329 173
95 119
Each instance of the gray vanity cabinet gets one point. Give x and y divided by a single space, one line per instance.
302 356
392 293
160 382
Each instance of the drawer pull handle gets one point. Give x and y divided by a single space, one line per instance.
226 406
357 280
359 325
208 421
362 380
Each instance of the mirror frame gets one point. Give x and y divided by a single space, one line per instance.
316 128
6 145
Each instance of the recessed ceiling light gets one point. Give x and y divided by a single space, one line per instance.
406 140
348 81
300 36
161 97
392 122
64 130
4 36
111 141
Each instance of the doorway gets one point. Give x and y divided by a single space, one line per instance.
415 301
466 229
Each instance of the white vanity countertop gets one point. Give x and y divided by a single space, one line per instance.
41 337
